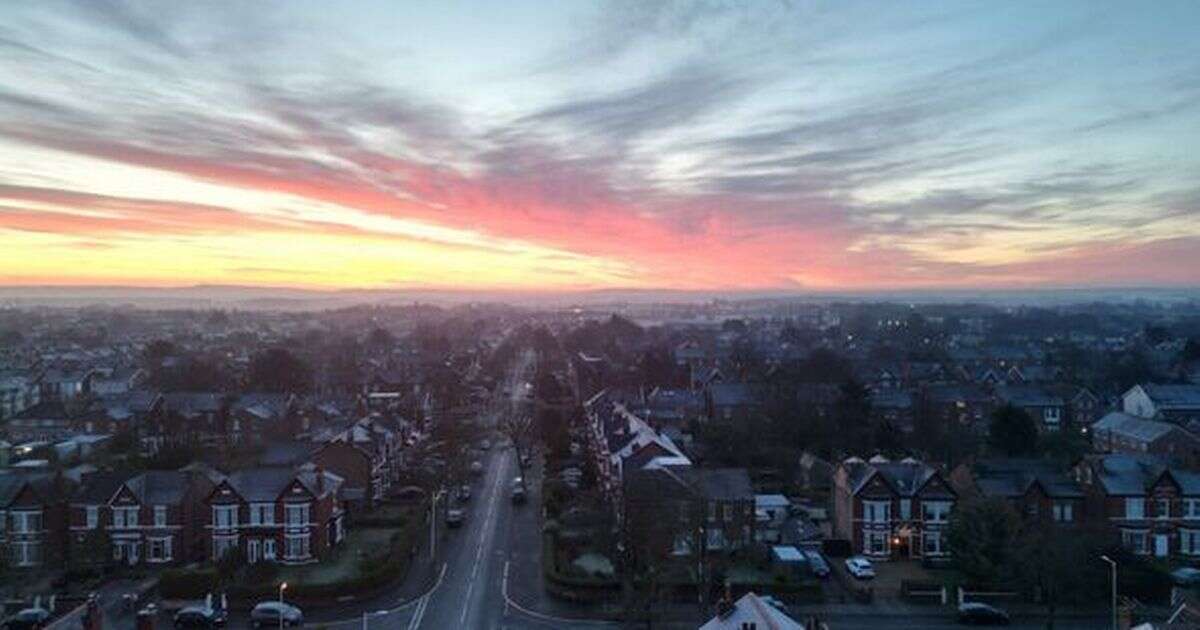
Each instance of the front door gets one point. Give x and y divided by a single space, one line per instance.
252 551
1160 545
131 553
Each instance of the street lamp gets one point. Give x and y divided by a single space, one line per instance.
1113 564
366 614
282 588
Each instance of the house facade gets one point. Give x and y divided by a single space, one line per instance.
892 509
1153 506
275 514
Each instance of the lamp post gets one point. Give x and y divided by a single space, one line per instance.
282 588
1113 564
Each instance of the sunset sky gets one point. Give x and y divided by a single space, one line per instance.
564 145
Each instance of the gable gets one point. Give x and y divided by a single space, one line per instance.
296 491
876 486
937 486
224 493
124 497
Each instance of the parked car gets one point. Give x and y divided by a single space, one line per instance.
485 445
455 517
977 614
860 567
199 617
1186 576
518 494
464 492
28 619
817 563
268 614
476 468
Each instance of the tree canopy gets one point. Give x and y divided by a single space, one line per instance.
1012 432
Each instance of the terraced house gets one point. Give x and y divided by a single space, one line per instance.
31 519
283 514
892 509
1154 506
146 518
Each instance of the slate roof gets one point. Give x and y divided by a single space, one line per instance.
99 487
44 410
265 484
736 394
1029 396
906 477
1133 427
1129 474
752 611
160 487
192 404
1173 396
1014 477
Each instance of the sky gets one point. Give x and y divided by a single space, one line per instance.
568 145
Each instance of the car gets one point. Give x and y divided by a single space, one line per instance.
518 494
199 617
476 468
455 517
860 567
979 614
1186 576
28 619
464 492
816 563
273 614
485 445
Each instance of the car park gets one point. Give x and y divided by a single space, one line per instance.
817 563
860 568
28 619
980 614
199 617
274 614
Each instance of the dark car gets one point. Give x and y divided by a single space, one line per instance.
455 517
1186 576
199 617
518 494
977 614
816 563
28 619
270 614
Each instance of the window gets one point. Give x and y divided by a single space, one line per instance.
1064 511
125 517
875 543
935 511
222 545
712 511
296 546
26 553
269 549
159 550
262 513
160 516
26 522
1135 508
682 545
716 538
877 511
1135 540
93 516
297 515
1189 542
224 517
728 513
1191 509
932 543
1162 508
905 509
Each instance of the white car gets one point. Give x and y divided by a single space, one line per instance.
860 567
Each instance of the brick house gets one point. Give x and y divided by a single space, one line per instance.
1154 507
681 511
892 509
148 518
1179 404
32 519
1119 432
281 514
1035 489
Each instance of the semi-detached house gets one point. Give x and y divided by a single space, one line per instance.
892 509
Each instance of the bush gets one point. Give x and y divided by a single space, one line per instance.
187 583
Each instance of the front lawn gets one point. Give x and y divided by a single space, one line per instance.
346 561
